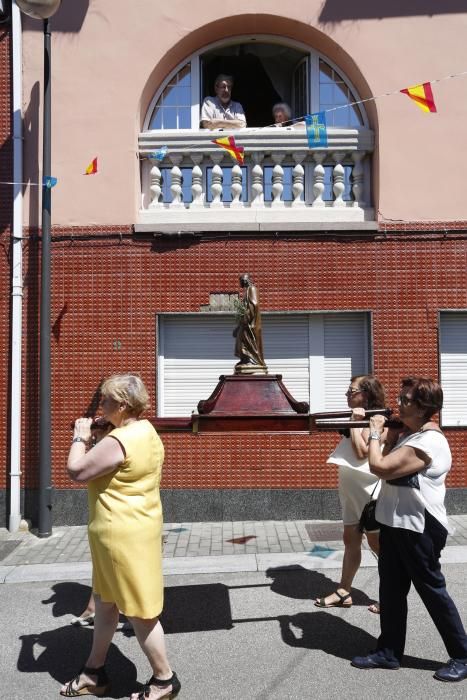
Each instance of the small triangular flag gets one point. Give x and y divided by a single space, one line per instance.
422 95
49 181
92 168
159 154
228 142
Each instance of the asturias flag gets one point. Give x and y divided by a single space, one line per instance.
228 142
422 96
316 130
92 168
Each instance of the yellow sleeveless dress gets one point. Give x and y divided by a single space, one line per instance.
125 525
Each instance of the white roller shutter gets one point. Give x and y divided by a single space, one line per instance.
315 353
453 366
345 355
195 350
285 340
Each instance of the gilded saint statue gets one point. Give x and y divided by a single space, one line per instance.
247 334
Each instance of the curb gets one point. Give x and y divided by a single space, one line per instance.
226 564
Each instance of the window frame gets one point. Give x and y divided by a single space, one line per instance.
313 76
445 312
316 361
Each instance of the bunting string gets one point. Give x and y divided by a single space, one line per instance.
157 155
161 153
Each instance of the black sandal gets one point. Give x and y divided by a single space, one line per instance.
321 602
173 681
100 689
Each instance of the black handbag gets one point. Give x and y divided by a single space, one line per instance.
410 480
368 522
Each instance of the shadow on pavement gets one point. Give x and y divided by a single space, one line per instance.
68 598
197 608
62 652
333 635
304 584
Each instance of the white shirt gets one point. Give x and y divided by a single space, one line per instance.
404 507
344 456
212 108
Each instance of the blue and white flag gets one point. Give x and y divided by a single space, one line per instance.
49 182
159 154
316 130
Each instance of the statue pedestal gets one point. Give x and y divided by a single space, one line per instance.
251 403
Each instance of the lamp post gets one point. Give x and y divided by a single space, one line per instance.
43 10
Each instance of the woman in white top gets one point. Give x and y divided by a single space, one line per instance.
414 528
356 485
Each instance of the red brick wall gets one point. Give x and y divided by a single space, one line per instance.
108 290
6 201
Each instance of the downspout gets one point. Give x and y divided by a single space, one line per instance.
16 275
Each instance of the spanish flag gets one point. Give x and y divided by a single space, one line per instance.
422 95
228 142
92 168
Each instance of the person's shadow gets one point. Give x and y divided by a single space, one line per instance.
322 630
307 584
61 652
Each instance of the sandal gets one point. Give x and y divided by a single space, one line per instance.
173 681
321 602
374 608
83 620
100 689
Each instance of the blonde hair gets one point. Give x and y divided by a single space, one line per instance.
129 389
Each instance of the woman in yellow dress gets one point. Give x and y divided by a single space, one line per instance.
123 472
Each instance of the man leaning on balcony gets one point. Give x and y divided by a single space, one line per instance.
221 112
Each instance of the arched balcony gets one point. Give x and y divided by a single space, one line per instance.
282 184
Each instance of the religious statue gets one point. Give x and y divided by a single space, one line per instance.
247 334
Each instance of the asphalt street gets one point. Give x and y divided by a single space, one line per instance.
230 636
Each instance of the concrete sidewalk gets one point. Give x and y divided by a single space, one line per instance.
193 548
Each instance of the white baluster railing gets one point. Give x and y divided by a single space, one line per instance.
309 187
338 176
277 180
216 182
257 187
156 188
197 182
318 180
298 180
236 187
176 183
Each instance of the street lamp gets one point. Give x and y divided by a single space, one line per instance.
43 10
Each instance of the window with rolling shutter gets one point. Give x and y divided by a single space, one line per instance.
453 366
316 353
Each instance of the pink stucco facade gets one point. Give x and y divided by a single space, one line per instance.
109 61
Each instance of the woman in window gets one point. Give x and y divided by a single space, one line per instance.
414 528
125 530
356 486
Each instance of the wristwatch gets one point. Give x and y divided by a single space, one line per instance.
78 439
374 435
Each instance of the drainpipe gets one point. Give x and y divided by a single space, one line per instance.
16 276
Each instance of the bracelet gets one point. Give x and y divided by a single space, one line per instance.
374 435
78 439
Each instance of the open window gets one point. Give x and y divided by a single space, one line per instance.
265 72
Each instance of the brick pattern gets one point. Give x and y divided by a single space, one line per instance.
108 290
6 208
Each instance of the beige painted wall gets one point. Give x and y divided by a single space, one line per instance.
105 74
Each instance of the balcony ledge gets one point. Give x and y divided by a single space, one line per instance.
282 185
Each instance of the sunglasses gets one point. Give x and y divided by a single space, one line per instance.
351 391
404 400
